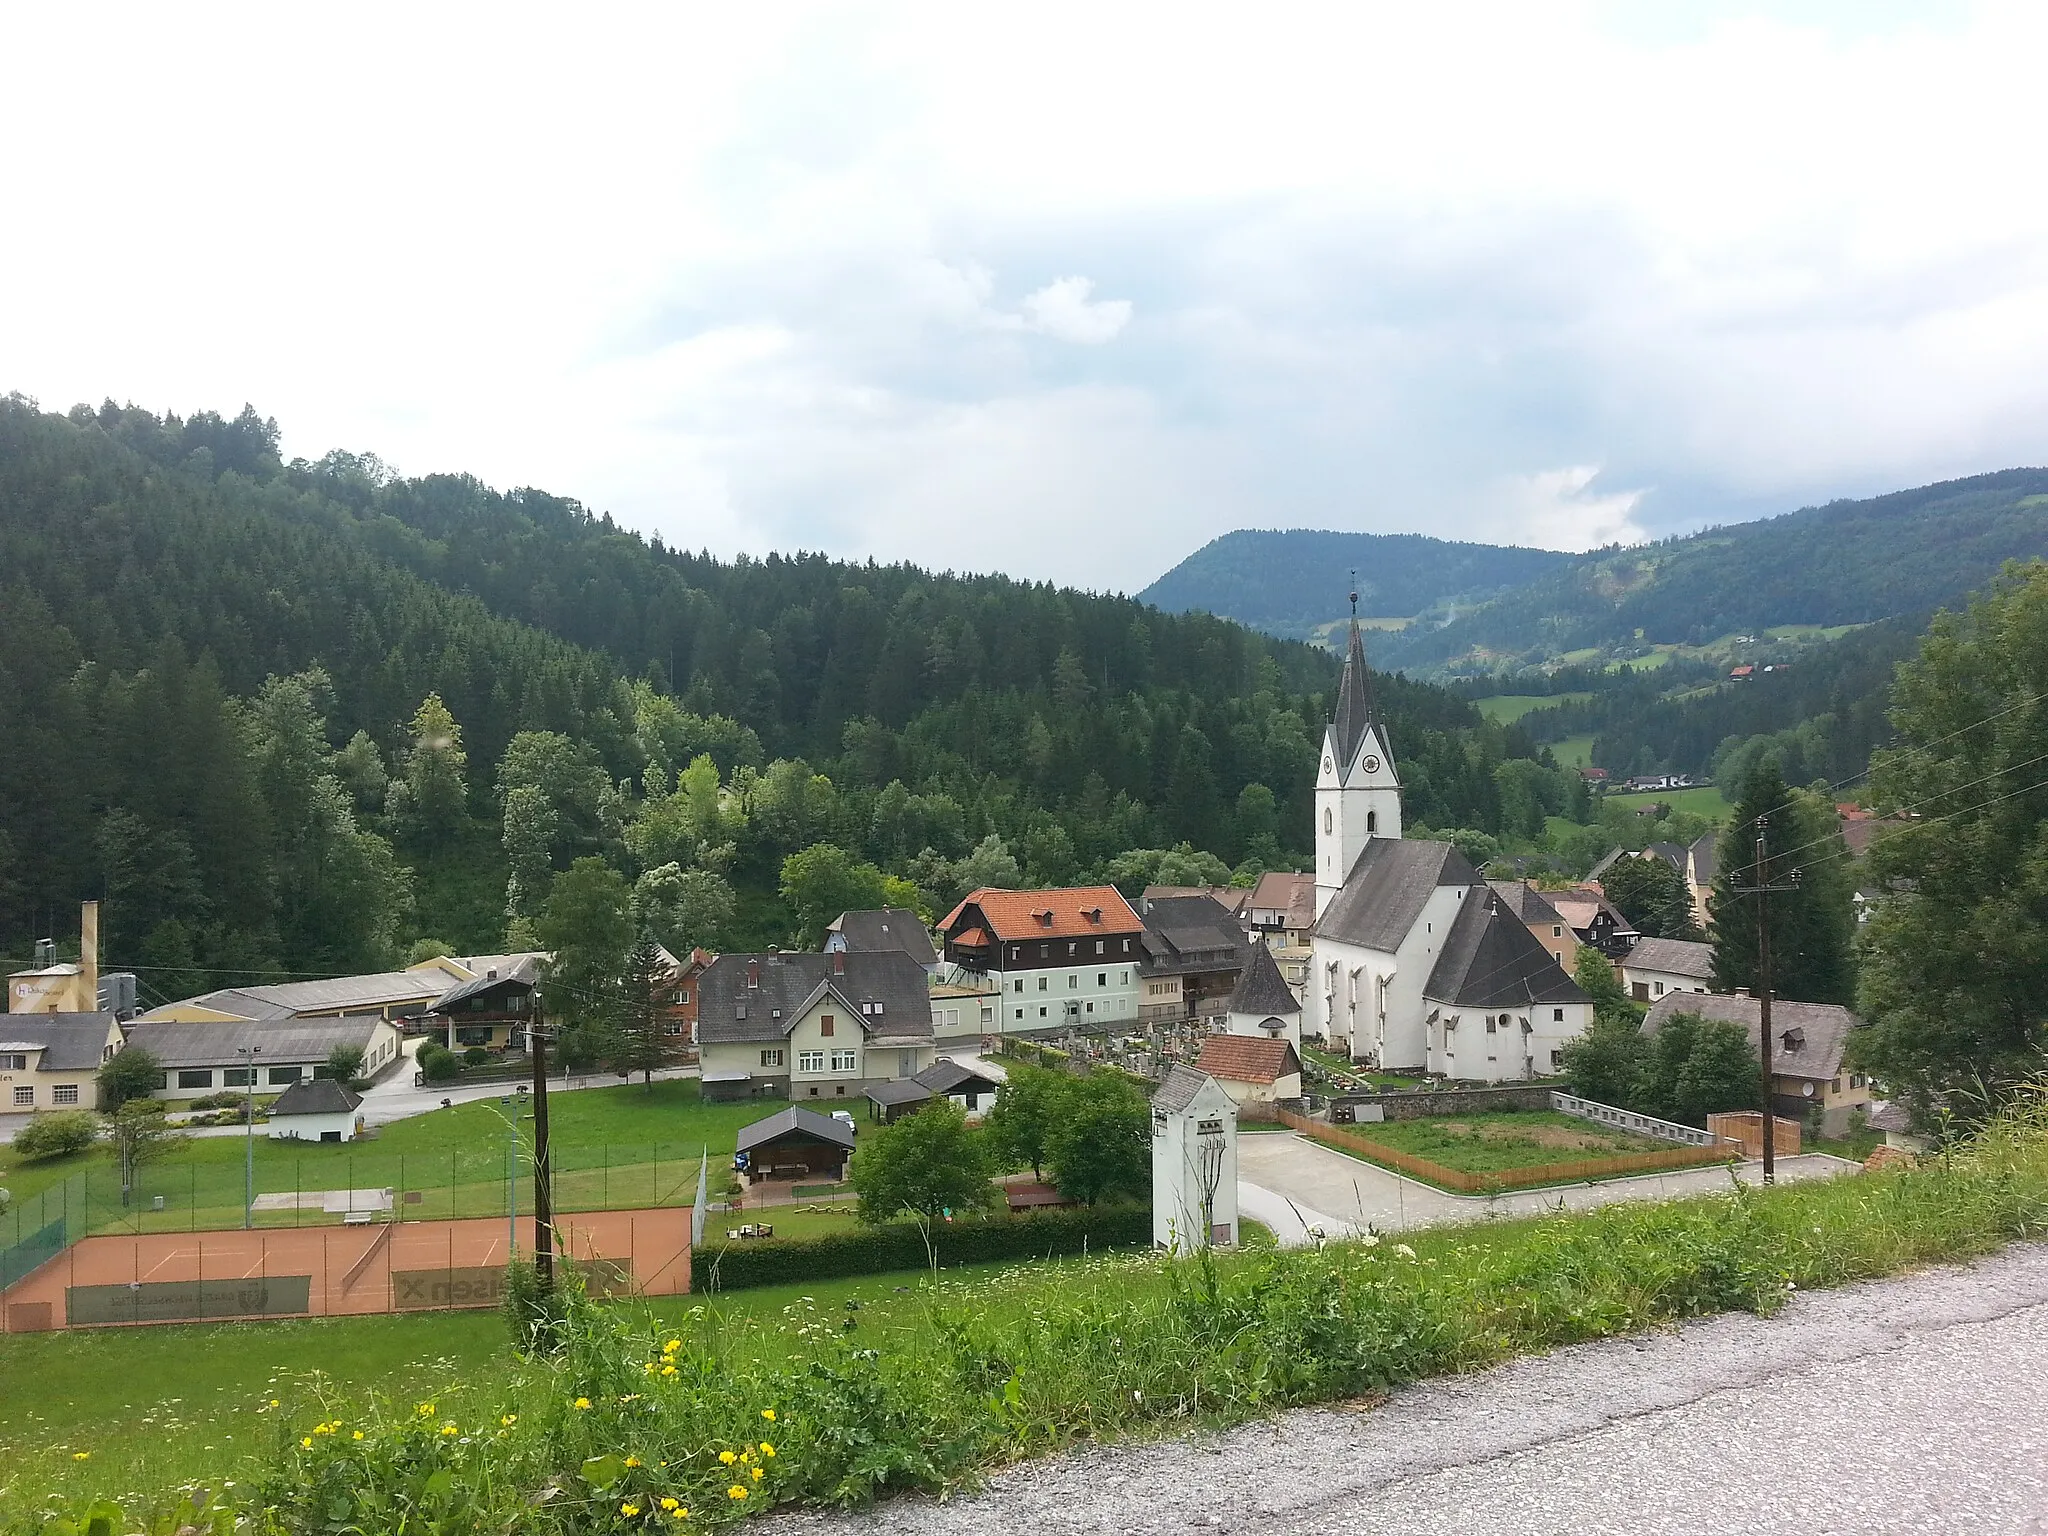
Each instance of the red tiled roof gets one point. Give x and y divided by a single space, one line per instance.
1060 914
974 938
1248 1058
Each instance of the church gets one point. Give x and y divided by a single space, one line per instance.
1418 967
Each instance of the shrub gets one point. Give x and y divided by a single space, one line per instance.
132 1073
62 1133
476 1056
438 1064
901 1245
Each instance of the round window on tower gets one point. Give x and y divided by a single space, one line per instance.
1371 763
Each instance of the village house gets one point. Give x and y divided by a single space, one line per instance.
50 1060
1657 966
202 1057
1810 1081
493 1011
811 1027
316 1109
1282 915
1059 959
1263 1006
1544 922
679 1001
1251 1070
974 1091
882 928
1193 951
1594 920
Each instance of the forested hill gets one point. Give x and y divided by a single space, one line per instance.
299 716
1293 583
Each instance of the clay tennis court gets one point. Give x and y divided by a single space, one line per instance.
334 1271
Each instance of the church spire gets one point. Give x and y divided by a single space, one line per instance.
1356 709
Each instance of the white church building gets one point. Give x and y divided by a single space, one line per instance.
1416 967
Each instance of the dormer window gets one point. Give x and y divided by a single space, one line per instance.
1793 1038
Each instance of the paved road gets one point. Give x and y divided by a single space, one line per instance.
1279 1175
1905 1406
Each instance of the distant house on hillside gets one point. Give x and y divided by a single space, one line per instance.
1657 966
1810 1080
1059 959
1594 920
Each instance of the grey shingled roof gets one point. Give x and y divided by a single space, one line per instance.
329 995
70 1042
898 1090
1355 710
315 1096
1261 990
948 1076
1703 865
526 971
303 1041
1491 960
1190 933
1824 1028
729 1012
1674 854
1387 889
1681 957
1524 900
1180 1088
1893 1117
887 928
795 1121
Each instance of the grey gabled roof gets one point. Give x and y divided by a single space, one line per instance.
1894 1117
886 928
798 1122
1261 990
1674 854
1524 900
70 1042
1355 710
303 1041
525 972
327 995
949 1076
1703 857
897 1090
1822 1029
729 1012
1681 957
1180 1088
1387 889
1606 862
315 1096
1190 933
1491 960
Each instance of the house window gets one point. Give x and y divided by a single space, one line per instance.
1020 1013
1557 1015
1127 946
988 1015
1102 978
473 1034
1073 983
1659 987
1556 1060
13 1063
1372 822
683 997
1017 985
825 1025
1557 930
810 1061
64 1093
1329 820
675 1027
771 1058
24 1096
1041 983
1041 1010
1098 946
238 1077
285 1074
844 1061
1073 949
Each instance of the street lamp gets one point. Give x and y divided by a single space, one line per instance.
517 1105
249 1053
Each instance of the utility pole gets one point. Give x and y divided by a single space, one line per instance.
543 1179
1762 891
249 1053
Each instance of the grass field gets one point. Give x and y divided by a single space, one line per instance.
1507 708
1496 1142
1707 801
1574 751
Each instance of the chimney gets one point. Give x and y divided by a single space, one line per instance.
1742 991
753 973
89 956
838 962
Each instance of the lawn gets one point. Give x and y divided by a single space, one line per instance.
1493 1143
1706 800
1574 751
1507 708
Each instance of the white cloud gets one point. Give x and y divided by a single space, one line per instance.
775 278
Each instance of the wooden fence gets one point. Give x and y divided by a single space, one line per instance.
1464 1183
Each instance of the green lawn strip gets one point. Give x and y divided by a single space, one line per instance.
1497 1143
935 1380
1506 709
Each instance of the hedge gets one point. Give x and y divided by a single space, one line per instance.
878 1250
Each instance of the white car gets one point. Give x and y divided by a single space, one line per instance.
847 1116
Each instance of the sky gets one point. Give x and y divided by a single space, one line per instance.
1063 291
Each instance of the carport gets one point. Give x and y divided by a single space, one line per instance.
796 1143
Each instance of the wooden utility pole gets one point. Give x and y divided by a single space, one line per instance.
1762 891
543 1178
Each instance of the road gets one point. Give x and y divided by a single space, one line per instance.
1291 1184
1910 1405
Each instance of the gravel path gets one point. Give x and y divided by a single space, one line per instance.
1908 1405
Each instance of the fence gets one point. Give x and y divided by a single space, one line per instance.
1629 1120
1461 1182
313 1185
1747 1127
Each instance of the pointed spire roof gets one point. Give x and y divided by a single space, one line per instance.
1356 708
1261 990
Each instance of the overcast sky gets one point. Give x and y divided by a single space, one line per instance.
1063 291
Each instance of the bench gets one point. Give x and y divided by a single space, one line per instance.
358 1218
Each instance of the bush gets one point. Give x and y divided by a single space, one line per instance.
476 1056
878 1250
230 1098
438 1064
61 1133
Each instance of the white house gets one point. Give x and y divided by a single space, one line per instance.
315 1109
1252 1071
1059 959
1194 1162
1386 907
1499 1007
1262 1005
811 1027
203 1058
52 1060
1657 966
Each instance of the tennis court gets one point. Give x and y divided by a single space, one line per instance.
333 1271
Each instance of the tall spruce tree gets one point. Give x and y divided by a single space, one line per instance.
1813 925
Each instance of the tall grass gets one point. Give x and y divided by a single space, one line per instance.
621 1419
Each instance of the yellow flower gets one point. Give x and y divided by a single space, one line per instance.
632 1461
359 1434
726 1457
87 1455
629 1510
668 1370
582 1402
767 1449
735 1492
273 1402
648 1367
670 1505
509 1420
672 1346
757 1474
306 1444
768 1414
426 1410
450 1429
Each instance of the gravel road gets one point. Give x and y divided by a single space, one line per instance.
1909 1405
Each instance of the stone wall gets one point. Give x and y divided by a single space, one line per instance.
1417 1104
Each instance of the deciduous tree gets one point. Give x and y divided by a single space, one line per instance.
928 1162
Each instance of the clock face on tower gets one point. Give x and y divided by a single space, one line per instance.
1370 763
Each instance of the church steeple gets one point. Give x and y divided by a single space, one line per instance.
1358 793
1356 708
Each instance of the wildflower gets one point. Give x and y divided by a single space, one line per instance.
768 1414
1369 1240
735 1492
306 1444
757 1474
426 1410
727 1457
273 1402
629 1510
81 1455
670 1506
509 1420
582 1403
767 1449
671 1346
359 1434
668 1370
648 1368
632 1461
450 1429
1404 1250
